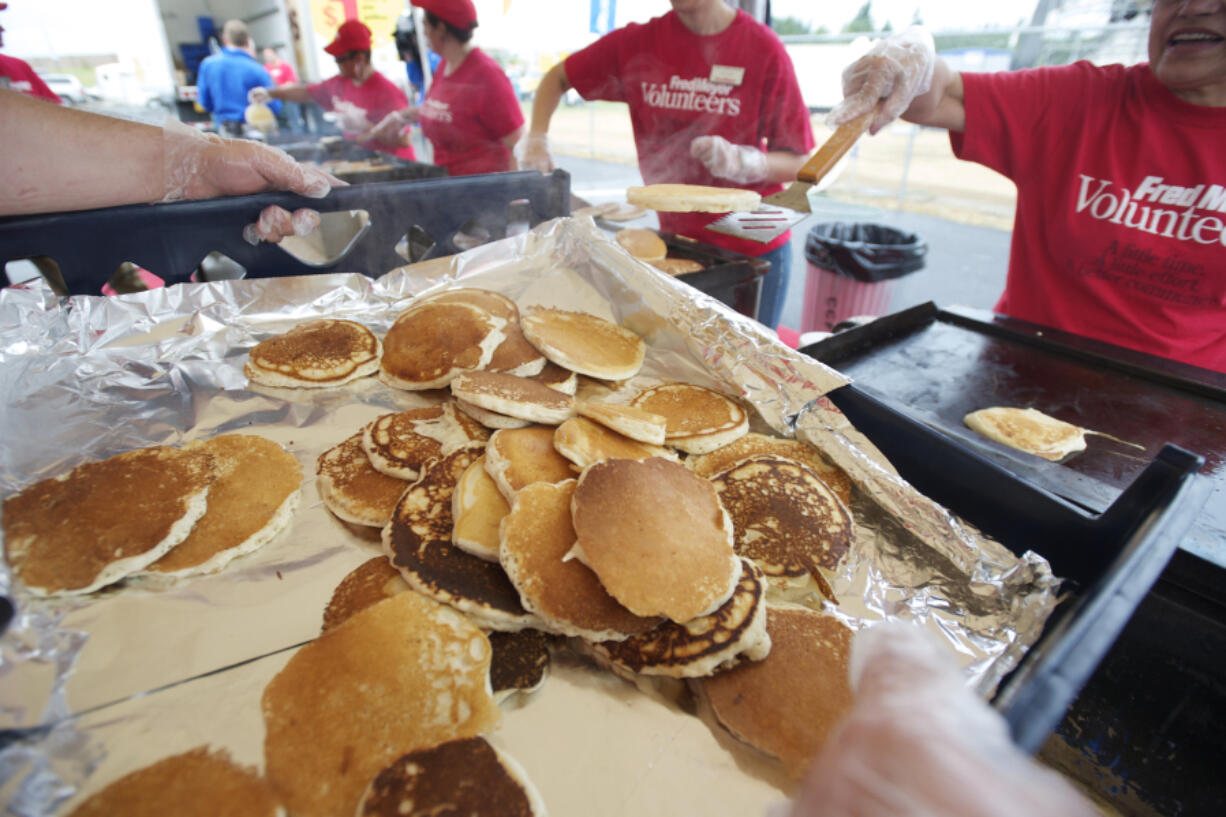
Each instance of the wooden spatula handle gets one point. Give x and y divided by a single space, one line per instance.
834 148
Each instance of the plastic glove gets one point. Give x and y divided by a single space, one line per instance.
258 96
352 119
739 163
200 165
533 153
387 132
896 70
918 742
276 223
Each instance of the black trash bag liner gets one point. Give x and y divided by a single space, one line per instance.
865 252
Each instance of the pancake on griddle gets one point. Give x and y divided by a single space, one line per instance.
399 444
555 377
418 542
698 419
656 536
786 704
515 355
753 443
251 500
490 419
585 343
1029 430
352 489
701 646
477 509
406 673
316 354
513 396
629 421
585 442
564 594
197 783
518 457
102 520
369 583
430 344
676 266
520 664
787 520
642 243
465 778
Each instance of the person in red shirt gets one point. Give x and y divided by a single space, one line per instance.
282 74
359 94
1120 229
470 114
713 100
17 75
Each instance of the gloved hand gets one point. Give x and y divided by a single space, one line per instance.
533 153
276 223
258 96
200 165
351 118
896 69
388 131
739 163
919 742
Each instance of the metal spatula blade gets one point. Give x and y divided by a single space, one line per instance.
764 224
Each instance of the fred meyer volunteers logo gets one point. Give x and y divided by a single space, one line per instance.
697 94
1158 208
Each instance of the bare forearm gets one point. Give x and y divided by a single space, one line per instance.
547 97
59 159
782 166
291 93
942 105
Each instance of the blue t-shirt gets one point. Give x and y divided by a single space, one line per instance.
223 81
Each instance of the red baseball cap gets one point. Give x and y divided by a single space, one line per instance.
460 13
353 35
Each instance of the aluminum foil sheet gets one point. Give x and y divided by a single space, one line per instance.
86 683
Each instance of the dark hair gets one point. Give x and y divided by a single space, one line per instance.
461 34
348 55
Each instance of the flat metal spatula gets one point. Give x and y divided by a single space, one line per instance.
782 210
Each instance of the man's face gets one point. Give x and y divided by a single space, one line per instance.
270 56
348 64
1187 48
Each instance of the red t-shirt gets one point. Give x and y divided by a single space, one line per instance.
378 96
282 73
466 115
1120 231
17 75
738 84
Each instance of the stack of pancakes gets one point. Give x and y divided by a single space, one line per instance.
156 514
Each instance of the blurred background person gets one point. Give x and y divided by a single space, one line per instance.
282 73
224 79
410 54
471 114
17 75
713 100
359 95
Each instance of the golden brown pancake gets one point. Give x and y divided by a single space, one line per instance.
513 396
369 583
520 663
642 243
555 377
656 536
399 444
518 457
352 489
103 520
693 198
698 419
585 343
465 778
315 354
197 783
566 595
753 443
585 443
490 419
251 500
514 355
1028 430
629 421
418 542
787 520
477 510
701 646
403 674
787 704
430 344
676 266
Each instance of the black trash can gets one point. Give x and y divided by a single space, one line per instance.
851 270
